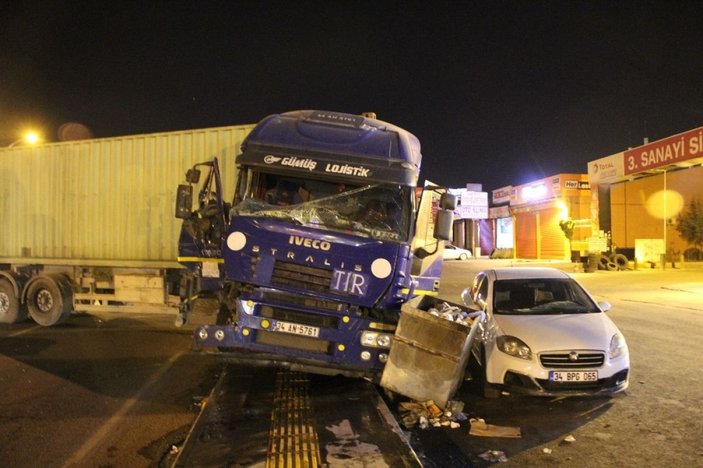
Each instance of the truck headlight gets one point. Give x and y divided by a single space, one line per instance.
372 339
514 347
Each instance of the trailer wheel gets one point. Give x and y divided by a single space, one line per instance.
49 300
11 311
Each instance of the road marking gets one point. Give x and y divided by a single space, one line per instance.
80 456
22 332
292 438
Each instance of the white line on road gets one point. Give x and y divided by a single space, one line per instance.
80 455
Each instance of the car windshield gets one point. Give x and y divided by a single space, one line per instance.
541 296
379 211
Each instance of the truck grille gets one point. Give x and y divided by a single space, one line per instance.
301 301
301 276
564 361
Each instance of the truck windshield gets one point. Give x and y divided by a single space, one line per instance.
379 211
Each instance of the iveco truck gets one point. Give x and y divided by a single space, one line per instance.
327 236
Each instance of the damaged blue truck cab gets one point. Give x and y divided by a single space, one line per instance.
326 238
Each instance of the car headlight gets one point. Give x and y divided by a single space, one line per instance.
514 347
617 346
374 339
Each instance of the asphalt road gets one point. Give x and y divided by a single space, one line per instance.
116 390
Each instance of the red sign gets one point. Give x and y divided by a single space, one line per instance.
677 148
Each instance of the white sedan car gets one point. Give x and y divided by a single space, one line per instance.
543 334
452 252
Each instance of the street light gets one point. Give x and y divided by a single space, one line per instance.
29 138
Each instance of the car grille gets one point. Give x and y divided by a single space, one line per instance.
301 276
565 360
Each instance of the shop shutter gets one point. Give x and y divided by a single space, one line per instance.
553 242
526 235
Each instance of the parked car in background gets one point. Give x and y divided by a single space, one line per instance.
452 252
543 334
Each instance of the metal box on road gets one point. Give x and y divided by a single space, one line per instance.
428 355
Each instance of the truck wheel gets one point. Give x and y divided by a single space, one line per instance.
11 311
49 301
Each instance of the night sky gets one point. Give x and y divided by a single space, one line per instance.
498 92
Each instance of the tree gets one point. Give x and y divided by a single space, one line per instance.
689 224
567 225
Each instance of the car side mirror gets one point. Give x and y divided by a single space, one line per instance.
604 306
466 297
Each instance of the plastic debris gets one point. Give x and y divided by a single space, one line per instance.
569 439
546 450
481 429
451 313
428 413
494 456
174 450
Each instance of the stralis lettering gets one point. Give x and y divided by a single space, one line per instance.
346 169
306 163
309 243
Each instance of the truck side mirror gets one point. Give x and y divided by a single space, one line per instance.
184 201
443 224
448 201
193 176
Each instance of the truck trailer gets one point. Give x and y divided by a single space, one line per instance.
327 237
88 225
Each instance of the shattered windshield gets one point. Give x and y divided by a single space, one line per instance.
379 211
543 296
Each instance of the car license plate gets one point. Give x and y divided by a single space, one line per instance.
573 376
296 329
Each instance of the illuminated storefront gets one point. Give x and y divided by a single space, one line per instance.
537 211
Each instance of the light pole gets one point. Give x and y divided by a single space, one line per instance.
29 138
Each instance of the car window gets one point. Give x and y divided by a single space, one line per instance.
541 296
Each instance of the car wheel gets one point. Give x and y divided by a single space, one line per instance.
488 390
463 256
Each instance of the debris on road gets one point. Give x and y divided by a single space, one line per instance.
493 456
481 429
428 413
569 439
546 450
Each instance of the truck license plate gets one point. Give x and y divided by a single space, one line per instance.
296 329
573 376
